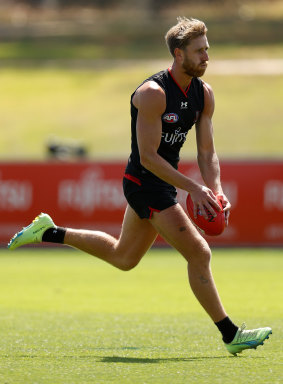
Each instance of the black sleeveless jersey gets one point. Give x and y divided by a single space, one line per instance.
182 112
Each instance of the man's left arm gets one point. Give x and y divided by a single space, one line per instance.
207 157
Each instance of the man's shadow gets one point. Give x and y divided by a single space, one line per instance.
140 360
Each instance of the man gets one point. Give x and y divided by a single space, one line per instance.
163 108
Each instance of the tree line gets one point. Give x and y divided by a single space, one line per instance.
151 4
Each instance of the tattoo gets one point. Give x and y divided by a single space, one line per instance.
182 229
203 279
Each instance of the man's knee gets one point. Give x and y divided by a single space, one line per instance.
127 263
127 266
202 255
206 256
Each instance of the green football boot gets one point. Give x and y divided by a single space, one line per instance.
32 233
249 339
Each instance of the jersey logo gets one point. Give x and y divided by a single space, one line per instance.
184 105
170 118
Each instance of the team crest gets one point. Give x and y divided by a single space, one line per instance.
170 118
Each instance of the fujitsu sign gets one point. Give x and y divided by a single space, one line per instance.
15 195
91 192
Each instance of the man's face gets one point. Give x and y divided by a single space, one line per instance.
195 57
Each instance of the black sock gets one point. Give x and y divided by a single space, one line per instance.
228 329
54 235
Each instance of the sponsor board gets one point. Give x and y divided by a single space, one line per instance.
89 195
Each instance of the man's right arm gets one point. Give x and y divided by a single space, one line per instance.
150 100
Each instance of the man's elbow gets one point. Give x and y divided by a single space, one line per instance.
146 160
207 158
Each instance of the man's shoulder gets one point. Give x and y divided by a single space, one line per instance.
155 82
207 88
150 87
160 78
209 102
153 86
150 95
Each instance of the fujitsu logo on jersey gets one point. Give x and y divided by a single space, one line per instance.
177 137
170 118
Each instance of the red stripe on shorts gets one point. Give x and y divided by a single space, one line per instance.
132 178
151 211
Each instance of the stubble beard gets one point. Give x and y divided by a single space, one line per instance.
193 70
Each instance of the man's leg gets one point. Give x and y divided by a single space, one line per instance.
137 236
176 228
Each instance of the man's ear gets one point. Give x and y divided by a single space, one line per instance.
179 55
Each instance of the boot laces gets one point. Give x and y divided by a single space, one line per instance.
245 335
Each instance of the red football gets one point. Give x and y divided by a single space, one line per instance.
213 226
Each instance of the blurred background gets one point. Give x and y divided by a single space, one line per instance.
67 70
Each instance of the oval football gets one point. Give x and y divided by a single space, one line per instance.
213 226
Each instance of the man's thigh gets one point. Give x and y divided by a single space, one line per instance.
174 225
137 235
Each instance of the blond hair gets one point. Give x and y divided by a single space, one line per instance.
181 34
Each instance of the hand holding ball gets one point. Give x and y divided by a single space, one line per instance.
213 226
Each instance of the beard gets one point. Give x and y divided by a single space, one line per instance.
192 69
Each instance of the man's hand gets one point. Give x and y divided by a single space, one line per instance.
203 198
226 206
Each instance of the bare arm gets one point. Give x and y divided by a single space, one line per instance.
207 157
151 103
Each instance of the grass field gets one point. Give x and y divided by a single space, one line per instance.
69 318
93 106
36 51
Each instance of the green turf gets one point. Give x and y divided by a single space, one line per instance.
93 106
69 318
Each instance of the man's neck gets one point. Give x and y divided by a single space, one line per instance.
182 78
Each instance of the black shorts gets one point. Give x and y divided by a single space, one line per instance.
146 199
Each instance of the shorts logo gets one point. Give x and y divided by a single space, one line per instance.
170 118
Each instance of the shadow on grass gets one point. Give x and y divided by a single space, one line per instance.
120 359
140 360
127 360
